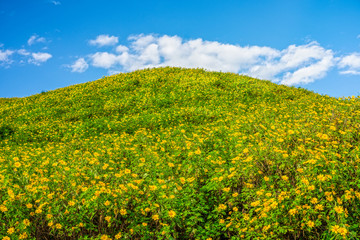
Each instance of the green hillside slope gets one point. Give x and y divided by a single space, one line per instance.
173 153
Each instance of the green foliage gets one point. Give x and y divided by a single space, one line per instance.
6 131
174 153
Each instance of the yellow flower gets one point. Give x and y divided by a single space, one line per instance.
71 203
268 194
118 236
321 178
17 164
105 166
266 179
221 221
222 206
29 205
293 211
26 222
123 211
6 238
3 208
330 198
108 219
235 209
314 200
343 231
319 207
285 178
335 228
144 224
260 192
235 194
38 211
155 217
105 237
23 236
11 230
107 203
339 209
58 226
226 189
172 214
152 187
310 224
255 204
312 187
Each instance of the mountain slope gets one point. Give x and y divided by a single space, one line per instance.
179 153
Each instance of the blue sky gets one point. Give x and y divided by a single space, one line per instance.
48 44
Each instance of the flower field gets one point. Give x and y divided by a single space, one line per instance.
172 153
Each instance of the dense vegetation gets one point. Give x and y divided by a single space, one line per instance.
173 153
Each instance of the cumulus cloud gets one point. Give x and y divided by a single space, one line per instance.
79 65
4 56
35 39
104 40
23 52
104 59
294 65
40 57
121 48
350 64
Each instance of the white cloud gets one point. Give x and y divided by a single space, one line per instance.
290 66
35 39
4 56
38 58
351 63
79 65
121 49
23 52
296 64
104 59
104 40
56 2
358 36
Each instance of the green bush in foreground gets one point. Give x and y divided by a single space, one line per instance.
175 153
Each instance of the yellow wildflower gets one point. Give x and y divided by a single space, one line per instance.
11 230
172 214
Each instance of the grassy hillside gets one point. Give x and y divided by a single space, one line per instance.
175 153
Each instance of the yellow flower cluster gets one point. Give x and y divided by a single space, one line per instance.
169 152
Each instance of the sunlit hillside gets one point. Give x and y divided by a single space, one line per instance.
173 153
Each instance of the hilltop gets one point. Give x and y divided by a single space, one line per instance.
172 153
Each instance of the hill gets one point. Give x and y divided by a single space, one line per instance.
173 153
